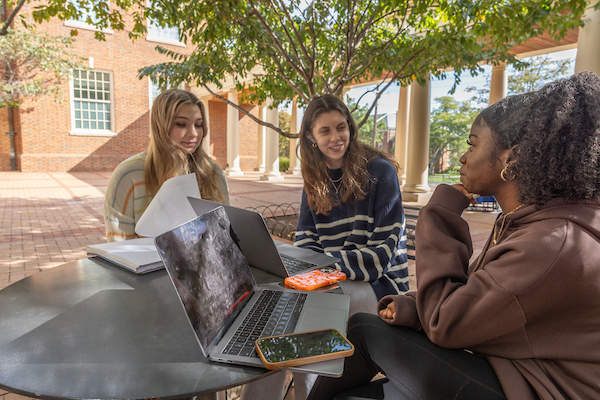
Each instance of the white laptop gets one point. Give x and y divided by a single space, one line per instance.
259 248
224 306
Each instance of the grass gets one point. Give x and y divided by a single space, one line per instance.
452 178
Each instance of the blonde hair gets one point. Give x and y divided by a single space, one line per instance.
164 160
356 178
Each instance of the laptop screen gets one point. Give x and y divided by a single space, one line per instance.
209 272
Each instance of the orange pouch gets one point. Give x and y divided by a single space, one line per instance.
315 279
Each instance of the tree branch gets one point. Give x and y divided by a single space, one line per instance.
278 44
11 17
296 33
281 74
252 117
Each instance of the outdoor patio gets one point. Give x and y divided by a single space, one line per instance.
47 219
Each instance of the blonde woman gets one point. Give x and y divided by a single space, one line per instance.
178 126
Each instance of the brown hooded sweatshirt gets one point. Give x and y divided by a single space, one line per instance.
530 304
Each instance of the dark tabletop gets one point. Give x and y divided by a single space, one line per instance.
88 329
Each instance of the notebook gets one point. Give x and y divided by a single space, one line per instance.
138 255
259 248
219 295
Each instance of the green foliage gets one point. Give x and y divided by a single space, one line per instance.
449 130
286 49
303 49
530 76
284 164
284 142
33 64
365 132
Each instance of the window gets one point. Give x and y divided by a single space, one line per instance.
82 21
92 103
155 90
167 35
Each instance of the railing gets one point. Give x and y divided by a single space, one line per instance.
281 219
485 203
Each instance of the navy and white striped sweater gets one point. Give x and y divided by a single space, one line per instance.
369 236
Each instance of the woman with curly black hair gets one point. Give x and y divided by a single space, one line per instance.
528 308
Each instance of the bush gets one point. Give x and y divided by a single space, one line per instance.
284 164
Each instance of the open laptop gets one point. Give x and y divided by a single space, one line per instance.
259 248
226 309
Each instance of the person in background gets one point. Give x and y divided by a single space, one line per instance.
527 309
351 209
179 123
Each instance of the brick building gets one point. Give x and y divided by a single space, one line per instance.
103 117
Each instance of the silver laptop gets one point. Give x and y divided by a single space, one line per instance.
226 309
259 248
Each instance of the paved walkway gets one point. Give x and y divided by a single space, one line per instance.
47 219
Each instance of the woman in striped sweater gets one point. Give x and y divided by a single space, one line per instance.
351 205
351 209
178 126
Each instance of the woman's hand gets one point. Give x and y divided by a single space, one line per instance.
389 312
471 196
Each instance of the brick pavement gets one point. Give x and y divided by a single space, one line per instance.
47 219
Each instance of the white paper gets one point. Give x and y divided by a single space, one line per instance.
170 207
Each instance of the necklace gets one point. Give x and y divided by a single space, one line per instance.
336 187
498 232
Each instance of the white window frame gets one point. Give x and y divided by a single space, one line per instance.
154 36
89 131
152 85
74 23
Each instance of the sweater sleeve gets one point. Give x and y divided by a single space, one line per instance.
381 253
119 207
458 309
406 310
222 186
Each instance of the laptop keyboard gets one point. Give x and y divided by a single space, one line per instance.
275 313
294 266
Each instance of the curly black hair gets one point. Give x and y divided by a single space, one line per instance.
554 135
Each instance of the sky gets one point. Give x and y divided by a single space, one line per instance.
388 102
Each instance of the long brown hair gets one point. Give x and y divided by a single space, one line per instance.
356 179
164 160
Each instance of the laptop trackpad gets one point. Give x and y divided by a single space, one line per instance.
313 319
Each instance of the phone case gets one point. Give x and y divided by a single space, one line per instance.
306 360
315 279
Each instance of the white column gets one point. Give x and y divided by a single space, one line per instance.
206 141
402 131
499 83
588 54
260 142
233 146
272 146
294 167
418 143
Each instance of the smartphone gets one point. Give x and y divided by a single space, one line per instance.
302 348
314 279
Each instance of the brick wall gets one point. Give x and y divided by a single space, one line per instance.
248 138
217 111
4 141
47 145
43 125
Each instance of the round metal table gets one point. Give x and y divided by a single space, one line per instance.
88 329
